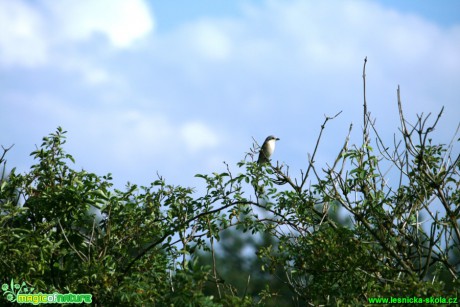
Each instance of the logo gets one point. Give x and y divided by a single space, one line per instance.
22 294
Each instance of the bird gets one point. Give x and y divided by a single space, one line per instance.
267 149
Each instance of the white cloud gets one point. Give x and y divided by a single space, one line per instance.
32 33
21 35
159 135
97 76
307 39
91 73
209 40
125 135
123 22
197 136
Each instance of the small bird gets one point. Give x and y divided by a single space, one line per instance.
267 149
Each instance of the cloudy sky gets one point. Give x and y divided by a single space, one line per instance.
180 86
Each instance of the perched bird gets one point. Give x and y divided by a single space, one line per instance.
267 149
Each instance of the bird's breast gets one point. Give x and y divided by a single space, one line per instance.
271 146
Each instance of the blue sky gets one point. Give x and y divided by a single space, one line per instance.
178 87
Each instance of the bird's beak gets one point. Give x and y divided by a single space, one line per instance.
277 139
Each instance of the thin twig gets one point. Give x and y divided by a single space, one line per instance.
312 160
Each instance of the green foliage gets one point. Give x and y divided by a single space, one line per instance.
69 231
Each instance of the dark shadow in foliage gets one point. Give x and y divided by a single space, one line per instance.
240 270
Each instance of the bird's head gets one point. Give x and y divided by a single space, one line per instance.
271 137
